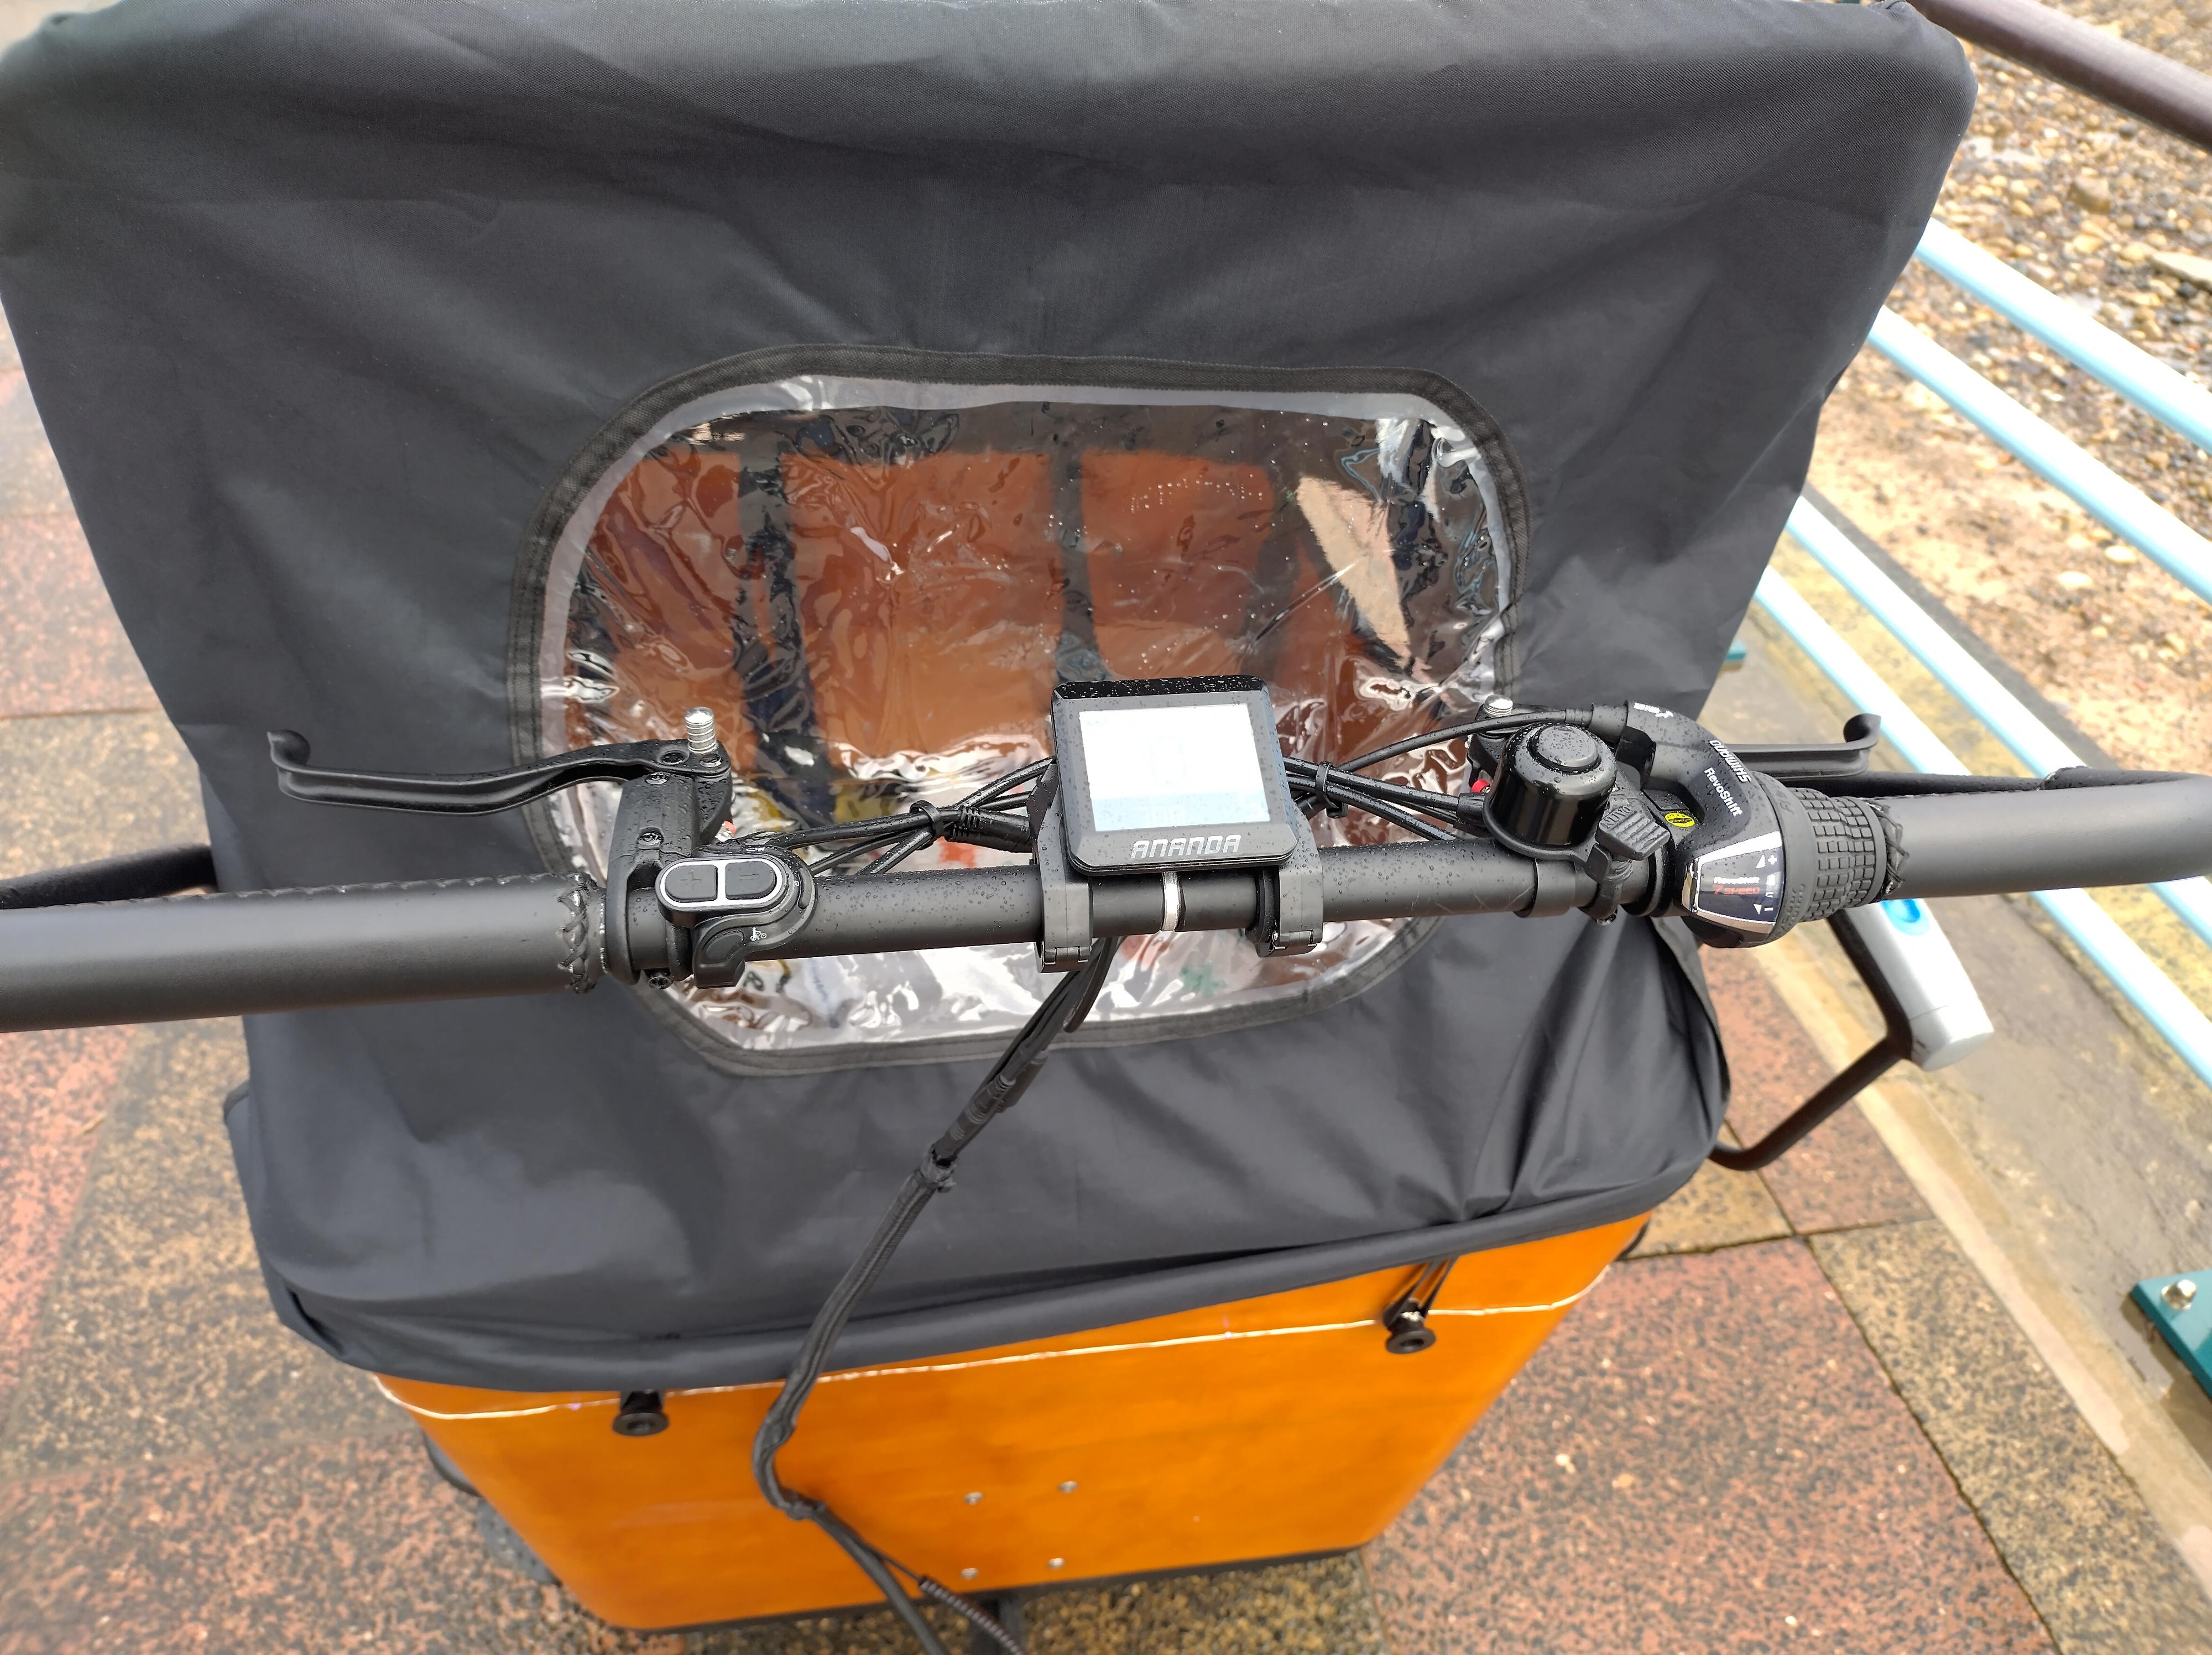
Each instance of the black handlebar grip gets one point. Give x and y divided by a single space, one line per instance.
270 951
2076 830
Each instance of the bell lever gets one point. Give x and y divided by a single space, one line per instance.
483 792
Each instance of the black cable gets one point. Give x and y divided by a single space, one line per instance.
836 832
969 822
1326 786
997 789
1064 1009
1403 818
859 839
877 1567
971 1611
1512 720
963 824
919 839
865 847
1443 806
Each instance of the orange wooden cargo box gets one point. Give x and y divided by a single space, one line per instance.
1269 1427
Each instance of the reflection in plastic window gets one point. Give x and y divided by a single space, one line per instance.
875 587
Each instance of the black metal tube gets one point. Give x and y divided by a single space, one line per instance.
1979 845
941 908
1131 907
1472 876
1869 1067
1211 902
223 955
220 956
129 878
965 908
2145 83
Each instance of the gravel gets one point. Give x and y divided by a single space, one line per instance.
2109 213
2086 201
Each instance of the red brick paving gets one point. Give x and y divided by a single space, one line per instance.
1704 1458
30 476
62 649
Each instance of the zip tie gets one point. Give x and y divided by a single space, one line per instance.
1319 784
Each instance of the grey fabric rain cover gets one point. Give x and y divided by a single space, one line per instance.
332 308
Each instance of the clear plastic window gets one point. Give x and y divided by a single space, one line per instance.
876 586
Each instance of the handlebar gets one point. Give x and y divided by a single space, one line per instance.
223 955
966 908
164 959
2081 828
168 958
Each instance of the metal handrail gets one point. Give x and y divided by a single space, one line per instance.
2145 83
2111 499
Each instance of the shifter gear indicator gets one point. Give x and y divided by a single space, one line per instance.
1738 885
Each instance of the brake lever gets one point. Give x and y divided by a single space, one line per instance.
483 792
676 795
1820 761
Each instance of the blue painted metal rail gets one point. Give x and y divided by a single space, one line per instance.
2100 491
2034 743
2133 972
2071 331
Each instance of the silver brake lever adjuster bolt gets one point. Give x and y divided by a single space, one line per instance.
699 730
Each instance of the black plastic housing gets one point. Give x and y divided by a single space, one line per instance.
1554 781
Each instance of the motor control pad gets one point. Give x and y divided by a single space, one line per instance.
751 886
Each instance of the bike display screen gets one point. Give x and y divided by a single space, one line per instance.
1168 773
1163 767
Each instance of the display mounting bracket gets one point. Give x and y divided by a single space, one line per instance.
1065 944
1290 920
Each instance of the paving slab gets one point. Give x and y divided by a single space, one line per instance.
1317 1608
156 1340
1716 1208
327 1547
1704 1457
875 1632
51 823
55 1087
2065 1519
2098 1143
30 477
1322 1608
